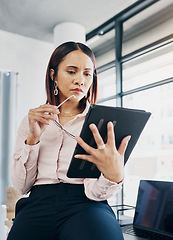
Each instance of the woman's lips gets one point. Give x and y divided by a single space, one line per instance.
77 90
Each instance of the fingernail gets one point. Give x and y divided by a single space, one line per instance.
110 123
129 138
92 126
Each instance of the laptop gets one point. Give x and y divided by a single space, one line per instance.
153 217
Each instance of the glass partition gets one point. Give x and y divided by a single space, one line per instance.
152 157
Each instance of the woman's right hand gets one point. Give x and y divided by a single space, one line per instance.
39 118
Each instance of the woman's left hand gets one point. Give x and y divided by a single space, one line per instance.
108 159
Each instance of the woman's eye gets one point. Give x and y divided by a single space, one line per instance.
71 72
88 74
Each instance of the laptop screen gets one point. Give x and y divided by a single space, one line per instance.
154 207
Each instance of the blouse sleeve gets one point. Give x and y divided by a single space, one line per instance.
100 189
24 170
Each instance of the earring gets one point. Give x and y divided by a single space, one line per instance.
55 88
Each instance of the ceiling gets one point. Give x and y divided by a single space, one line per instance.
37 18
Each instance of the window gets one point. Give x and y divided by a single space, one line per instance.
144 80
149 68
106 84
152 157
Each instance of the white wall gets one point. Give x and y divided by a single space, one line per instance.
28 57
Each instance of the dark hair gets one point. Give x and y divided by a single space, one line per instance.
56 58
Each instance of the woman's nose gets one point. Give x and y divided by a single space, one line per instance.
79 80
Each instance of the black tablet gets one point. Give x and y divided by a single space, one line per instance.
126 122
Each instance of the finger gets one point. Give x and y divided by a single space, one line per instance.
47 108
84 145
40 120
49 116
33 114
98 139
88 158
40 117
123 145
111 135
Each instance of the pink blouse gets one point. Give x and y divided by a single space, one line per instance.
47 162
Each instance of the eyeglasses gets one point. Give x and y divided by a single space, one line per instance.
59 125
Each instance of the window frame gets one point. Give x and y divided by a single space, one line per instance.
116 23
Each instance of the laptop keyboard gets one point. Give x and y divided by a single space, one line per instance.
129 229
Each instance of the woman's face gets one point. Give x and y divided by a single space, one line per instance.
75 75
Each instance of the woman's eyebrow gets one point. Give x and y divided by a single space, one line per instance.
88 69
72 67
77 68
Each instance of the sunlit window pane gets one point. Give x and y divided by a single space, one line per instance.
110 103
152 157
147 26
150 68
106 83
103 47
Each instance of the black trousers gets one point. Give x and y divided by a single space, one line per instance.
63 212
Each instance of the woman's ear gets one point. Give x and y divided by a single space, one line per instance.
52 74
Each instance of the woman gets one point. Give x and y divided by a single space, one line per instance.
60 208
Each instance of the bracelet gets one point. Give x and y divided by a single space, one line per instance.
31 144
120 181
